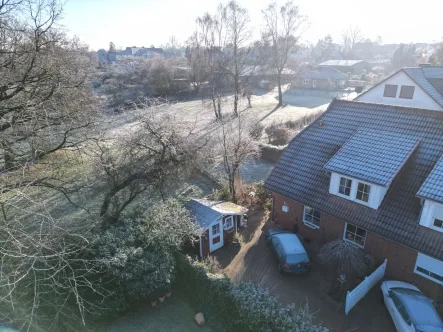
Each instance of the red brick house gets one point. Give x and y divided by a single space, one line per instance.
219 221
371 175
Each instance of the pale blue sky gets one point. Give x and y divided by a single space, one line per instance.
152 22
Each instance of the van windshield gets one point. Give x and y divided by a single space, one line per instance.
297 258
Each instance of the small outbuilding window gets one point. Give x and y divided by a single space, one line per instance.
390 91
229 222
407 92
311 217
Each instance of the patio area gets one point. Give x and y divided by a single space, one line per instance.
255 262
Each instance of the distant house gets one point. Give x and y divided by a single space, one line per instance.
371 175
322 78
420 87
355 67
129 52
219 221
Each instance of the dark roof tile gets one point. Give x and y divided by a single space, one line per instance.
299 174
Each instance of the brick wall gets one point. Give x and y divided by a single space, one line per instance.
401 259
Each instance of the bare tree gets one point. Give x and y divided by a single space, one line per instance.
350 37
195 55
436 58
239 34
343 257
284 27
45 96
153 156
212 36
235 145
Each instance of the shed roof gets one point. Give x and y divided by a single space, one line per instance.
206 211
373 155
432 188
299 175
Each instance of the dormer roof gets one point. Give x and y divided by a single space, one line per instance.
375 156
432 188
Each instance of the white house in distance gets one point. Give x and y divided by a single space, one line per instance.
418 87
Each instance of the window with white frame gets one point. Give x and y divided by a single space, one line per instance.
438 223
355 235
311 217
216 229
363 191
229 222
429 268
306 81
345 186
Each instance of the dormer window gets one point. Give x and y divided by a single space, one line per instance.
345 186
431 193
363 191
363 168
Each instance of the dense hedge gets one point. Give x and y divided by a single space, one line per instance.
243 307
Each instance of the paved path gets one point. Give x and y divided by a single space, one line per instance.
254 262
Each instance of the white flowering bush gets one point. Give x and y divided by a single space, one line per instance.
239 307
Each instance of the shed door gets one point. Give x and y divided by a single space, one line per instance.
216 235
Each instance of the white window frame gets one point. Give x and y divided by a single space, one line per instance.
355 234
308 223
307 81
421 256
429 214
350 189
231 218
369 194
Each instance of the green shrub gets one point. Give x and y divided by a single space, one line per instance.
138 254
262 195
238 307
268 205
221 194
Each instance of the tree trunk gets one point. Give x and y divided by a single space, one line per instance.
280 93
214 104
236 95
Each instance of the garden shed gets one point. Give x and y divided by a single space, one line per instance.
219 220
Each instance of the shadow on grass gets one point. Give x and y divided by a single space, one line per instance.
174 314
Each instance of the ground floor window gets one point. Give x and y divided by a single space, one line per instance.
429 267
306 81
355 235
311 217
